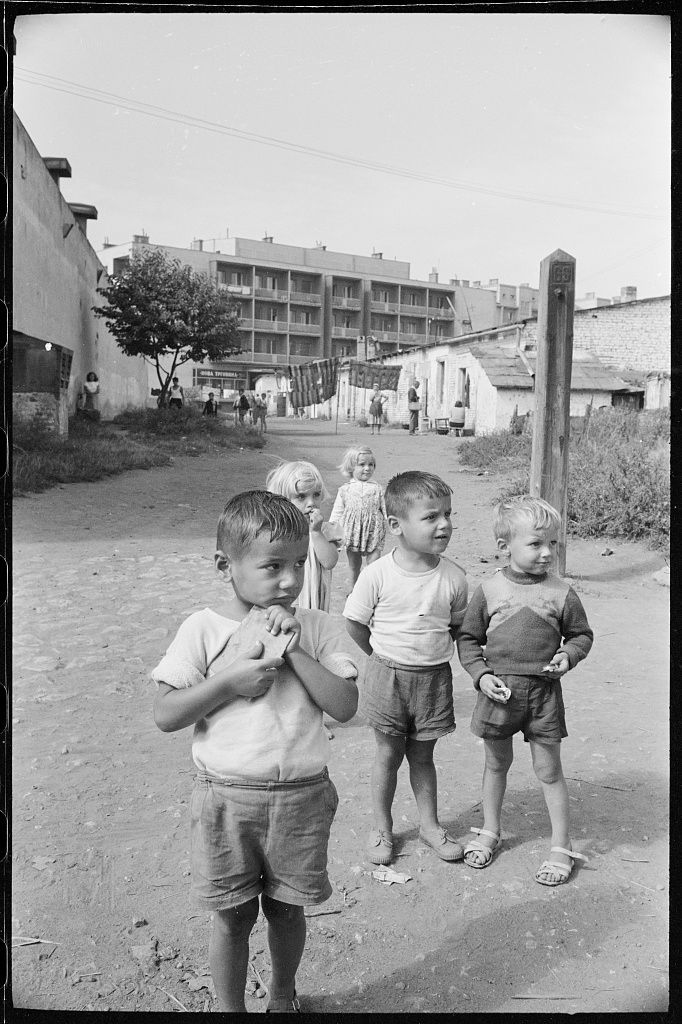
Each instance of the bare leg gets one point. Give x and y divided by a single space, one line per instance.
228 954
388 757
354 564
286 941
423 781
547 766
499 755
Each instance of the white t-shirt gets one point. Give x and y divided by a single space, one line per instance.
277 736
409 613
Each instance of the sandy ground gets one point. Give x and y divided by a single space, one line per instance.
103 574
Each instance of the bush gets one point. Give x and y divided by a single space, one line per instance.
41 459
618 474
138 439
187 425
499 452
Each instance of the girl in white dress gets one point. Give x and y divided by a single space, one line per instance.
302 484
360 509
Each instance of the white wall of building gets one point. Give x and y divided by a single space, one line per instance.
54 284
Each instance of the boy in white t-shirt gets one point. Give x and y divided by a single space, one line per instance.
263 803
404 611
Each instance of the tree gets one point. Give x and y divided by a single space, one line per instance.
160 309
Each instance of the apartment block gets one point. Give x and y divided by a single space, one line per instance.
296 304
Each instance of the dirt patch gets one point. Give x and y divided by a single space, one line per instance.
104 573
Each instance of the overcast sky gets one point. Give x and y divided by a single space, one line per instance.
473 143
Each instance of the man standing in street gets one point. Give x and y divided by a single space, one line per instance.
413 405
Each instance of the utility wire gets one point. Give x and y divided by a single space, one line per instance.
189 120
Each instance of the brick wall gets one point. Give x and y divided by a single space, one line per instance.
633 335
31 407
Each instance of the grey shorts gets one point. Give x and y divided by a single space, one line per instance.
400 700
251 837
536 707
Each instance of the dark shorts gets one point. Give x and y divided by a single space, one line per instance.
400 700
252 837
536 707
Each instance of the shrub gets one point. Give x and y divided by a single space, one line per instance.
618 474
42 459
148 438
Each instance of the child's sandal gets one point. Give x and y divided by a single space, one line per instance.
555 867
284 1005
473 846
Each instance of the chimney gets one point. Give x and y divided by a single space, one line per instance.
628 294
464 284
58 167
82 214
141 239
433 276
267 238
377 255
198 244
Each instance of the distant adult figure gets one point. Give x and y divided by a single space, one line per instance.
176 395
259 411
413 405
88 399
242 405
210 406
376 410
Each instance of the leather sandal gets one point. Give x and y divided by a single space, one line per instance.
473 846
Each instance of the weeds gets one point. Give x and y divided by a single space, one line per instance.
139 439
618 477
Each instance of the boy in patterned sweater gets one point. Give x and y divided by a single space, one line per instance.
522 631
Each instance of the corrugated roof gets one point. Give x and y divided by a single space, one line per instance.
505 369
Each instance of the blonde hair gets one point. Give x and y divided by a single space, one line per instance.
286 478
352 457
534 512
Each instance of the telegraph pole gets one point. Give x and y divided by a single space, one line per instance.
551 423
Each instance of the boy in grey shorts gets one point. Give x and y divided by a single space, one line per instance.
404 611
263 803
524 629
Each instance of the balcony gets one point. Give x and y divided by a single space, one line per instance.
235 289
295 328
384 307
441 313
271 358
271 326
341 302
413 310
382 336
412 339
306 298
345 332
268 293
245 325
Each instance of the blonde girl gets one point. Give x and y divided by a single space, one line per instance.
360 510
302 484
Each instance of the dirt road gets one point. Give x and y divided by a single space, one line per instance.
104 573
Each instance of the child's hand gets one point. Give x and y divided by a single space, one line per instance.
255 674
282 620
315 518
559 665
494 688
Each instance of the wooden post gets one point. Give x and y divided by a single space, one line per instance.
551 425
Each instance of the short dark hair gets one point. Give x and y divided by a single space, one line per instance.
406 488
253 512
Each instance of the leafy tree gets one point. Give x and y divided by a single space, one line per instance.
160 309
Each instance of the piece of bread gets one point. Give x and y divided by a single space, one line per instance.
250 630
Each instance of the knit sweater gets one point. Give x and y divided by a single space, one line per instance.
516 623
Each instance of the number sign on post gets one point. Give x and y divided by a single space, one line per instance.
551 424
